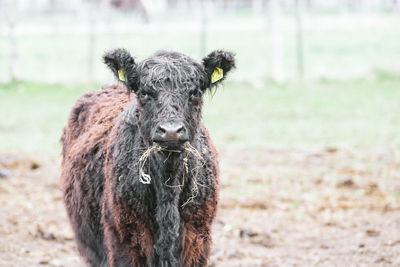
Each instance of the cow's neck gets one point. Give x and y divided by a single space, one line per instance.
167 173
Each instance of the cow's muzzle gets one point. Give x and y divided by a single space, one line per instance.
171 134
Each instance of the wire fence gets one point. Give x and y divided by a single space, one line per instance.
63 41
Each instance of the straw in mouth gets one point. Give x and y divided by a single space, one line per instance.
187 148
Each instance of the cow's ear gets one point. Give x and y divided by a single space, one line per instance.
123 65
217 65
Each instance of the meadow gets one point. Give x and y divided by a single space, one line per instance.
348 95
298 114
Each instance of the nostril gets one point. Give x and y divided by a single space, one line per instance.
162 130
180 130
170 132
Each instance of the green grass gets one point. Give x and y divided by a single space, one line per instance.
316 114
349 95
309 114
32 115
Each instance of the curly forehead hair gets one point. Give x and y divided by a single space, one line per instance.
171 69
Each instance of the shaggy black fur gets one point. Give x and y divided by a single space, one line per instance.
118 220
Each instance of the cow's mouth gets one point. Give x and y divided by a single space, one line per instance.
172 146
186 146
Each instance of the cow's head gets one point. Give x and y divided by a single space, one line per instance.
169 87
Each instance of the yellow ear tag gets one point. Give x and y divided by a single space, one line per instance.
121 75
217 75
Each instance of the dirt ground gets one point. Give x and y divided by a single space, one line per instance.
331 207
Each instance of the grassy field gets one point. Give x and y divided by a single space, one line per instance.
317 114
349 95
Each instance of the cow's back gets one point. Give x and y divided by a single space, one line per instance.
82 180
92 117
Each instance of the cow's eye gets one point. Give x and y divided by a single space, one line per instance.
146 95
194 97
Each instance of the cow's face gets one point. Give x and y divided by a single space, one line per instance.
169 87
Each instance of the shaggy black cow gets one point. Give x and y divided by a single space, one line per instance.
139 171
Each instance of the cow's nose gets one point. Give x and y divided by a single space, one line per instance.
170 132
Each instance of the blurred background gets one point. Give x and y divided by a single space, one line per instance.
307 126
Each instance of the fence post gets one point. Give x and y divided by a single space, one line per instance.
299 40
278 74
91 44
11 17
203 31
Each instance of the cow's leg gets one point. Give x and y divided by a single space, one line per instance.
127 236
196 245
94 255
83 207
